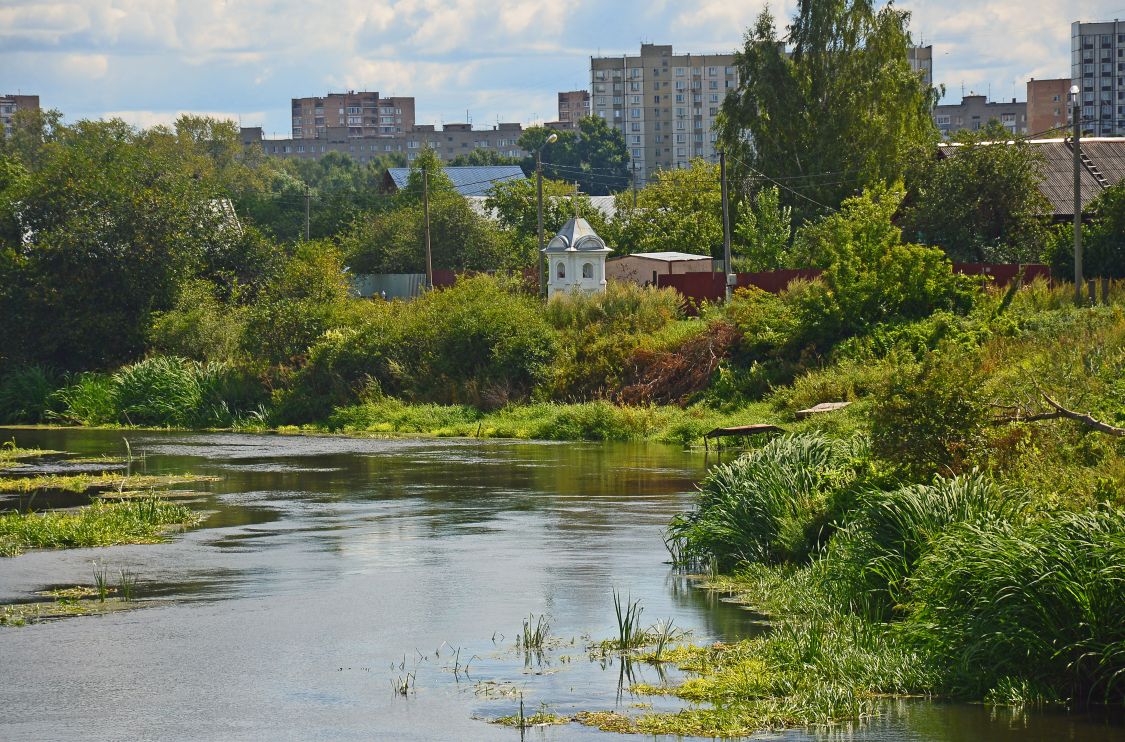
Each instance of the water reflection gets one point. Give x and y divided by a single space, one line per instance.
324 560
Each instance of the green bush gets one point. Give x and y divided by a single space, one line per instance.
769 506
928 417
25 394
199 327
89 399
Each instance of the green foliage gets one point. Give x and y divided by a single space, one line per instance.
595 156
101 524
25 394
480 342
199 326
393 240
679 210
1103 239
762 233
160 391
305 298
599 333
769 506
929 416
981 201
870 559
116 219
845 102
1037 600
516 206
870 277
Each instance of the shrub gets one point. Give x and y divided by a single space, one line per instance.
928 416
25 394
89 399
769 506
199 327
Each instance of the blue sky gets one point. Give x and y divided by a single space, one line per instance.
148 60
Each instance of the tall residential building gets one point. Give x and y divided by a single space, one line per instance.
574 106
922 60
351 114
9 104
664 104
1097 59
1048 112
975 111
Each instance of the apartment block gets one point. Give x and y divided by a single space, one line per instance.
447 141
975 111
9 104
351 114
574 105
922 60
1097 53
664 103
1048 112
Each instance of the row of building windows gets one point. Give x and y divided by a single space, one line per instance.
637 72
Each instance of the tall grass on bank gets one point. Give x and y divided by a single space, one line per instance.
25 393
1040 602
161 391
100 524
769 506
870 559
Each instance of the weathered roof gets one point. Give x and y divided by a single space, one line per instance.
667 257
473 180
576 236
1103 166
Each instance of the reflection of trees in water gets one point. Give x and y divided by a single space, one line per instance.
724 620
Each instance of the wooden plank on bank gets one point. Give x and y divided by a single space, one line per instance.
821 408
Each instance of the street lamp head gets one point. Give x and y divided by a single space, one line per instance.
1074 90
552 139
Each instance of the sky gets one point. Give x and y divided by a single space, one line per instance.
147 61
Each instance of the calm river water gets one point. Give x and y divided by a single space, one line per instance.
331 567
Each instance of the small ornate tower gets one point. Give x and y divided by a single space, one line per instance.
575 259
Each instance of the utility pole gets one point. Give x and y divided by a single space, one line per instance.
1077 141
730 277
634 185
539 191
426 214
308 195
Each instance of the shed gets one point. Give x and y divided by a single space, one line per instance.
645 268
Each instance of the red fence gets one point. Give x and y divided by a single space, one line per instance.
699 287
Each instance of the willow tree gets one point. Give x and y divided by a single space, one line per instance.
842 110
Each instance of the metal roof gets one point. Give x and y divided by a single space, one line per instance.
1103 166
668 257
576 236
473 180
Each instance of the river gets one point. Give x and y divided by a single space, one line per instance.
329 568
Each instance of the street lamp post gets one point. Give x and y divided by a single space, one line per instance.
539 190
1077 196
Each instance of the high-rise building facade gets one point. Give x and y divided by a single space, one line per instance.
1048 112
664 104
1097 52
922 60
352 115
574 105
10 104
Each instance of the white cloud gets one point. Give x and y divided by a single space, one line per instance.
502 58
146 119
